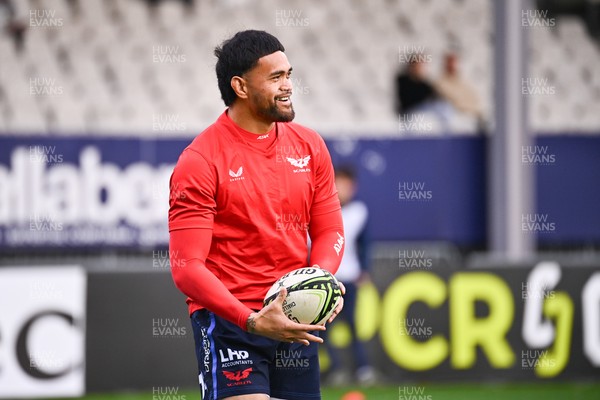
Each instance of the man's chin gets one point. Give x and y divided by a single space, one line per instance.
279 115
287 117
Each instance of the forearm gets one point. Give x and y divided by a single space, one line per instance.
328 243
201 285
197 282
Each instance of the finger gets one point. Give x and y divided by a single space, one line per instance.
338 309
342 287
304 342
308 328
340 306
281 296
282 293
330 320
306 338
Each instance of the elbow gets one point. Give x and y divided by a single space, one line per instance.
180 273
178 279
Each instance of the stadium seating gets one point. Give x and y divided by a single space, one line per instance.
103 64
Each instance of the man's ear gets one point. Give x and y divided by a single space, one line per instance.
238 84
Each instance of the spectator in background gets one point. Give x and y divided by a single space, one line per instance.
457 91
353 272
412 87
447 105
12 25
452 88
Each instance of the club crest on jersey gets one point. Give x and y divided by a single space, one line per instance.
300 163
236 176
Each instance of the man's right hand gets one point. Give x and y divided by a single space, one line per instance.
273 323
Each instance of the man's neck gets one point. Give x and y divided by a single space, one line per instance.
245 120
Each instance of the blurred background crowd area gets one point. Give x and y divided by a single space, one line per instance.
114 67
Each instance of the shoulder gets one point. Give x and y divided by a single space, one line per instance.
306 138
209 144
301 132
200 153
209 140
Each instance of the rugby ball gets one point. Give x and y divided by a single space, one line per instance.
312 295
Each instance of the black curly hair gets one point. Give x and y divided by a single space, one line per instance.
240 54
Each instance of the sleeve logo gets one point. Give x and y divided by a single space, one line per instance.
340 243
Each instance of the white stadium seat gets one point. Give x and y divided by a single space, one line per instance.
345 60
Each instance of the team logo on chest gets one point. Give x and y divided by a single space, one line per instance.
237 175
300 163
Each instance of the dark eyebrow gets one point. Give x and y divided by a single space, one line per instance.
280 72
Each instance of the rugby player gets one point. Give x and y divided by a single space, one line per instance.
234 190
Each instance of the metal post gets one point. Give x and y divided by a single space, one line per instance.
511 190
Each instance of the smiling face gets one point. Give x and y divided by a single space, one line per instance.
269 89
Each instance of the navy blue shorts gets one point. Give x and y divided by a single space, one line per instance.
233 362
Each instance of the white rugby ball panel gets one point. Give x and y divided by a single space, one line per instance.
313 295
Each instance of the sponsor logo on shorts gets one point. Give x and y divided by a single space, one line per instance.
230 358
205 350
239 377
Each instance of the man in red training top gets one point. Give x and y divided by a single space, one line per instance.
244 194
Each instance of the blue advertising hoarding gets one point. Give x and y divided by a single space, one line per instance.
113 192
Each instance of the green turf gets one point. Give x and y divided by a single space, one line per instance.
512 391
522 391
